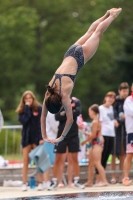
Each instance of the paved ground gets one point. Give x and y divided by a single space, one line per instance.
12 192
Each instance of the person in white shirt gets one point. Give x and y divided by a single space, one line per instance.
128 110
51 130
108 124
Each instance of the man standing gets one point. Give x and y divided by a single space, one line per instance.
119 149
70 142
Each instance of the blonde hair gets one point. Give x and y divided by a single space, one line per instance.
34 106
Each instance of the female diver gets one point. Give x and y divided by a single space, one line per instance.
61 85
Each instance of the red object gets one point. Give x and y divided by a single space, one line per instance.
73 104
132 94
15 161
35 113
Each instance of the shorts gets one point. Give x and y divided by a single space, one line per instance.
129 143
119 144
72 143
50 151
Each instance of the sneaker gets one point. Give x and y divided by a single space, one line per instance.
24 187
47 184
126 181
40 187
53 185
79 185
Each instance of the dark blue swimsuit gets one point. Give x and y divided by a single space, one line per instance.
76 52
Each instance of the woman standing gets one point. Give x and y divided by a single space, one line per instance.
61 85
29 113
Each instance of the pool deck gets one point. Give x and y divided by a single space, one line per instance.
12 192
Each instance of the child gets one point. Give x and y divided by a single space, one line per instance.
96 143
29 113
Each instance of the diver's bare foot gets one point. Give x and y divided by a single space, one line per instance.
107 13
115 11
88 184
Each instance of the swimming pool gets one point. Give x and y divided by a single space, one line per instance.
83 196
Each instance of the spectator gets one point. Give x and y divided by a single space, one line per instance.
128 110
96 144
29 113
107 128
120 138
71 141
51 129
81 127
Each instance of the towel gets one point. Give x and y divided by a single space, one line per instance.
40 158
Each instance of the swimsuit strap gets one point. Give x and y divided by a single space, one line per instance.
57 76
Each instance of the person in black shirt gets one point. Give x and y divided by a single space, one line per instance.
120 138
29 114
70 142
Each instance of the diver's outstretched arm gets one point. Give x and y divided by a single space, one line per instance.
43 122
69 114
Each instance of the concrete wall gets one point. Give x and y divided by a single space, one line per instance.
15 173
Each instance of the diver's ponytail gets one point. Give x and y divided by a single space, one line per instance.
50 89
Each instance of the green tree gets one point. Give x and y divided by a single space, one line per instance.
34 36
124 60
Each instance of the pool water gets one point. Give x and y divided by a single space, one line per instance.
83 196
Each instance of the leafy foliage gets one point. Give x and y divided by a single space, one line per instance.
34 36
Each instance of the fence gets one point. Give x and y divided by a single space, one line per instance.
13 152
14 130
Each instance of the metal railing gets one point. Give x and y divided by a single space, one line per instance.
8 171
13 169
13 129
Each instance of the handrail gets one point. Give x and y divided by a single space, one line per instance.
12 127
